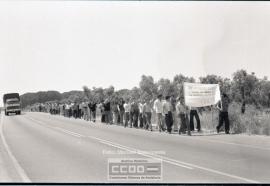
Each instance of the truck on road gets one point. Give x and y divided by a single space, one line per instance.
12 103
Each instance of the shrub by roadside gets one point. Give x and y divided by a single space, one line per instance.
254 121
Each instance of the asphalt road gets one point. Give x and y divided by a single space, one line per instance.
38 147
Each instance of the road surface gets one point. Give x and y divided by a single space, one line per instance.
38 147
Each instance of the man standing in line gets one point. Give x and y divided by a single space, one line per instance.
93 108
107 110
158 110
115 112
134 113
147 115
80 110
68 110
127 112
223 106
74 110
174 114
167 111
194 113
102 111
141 114
121 110
182 111
85 110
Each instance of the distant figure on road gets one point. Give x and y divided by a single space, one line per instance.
158 110
223 106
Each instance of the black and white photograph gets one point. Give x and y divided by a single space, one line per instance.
134 92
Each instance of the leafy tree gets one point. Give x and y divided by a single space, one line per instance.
108 92
261 94
224 83
98 94
40 97
178 84
135 93
165 87
124 93
87 92
148 88
243 86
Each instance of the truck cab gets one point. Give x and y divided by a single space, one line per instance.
12 103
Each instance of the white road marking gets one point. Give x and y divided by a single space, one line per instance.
170 160
164 159
69 132
56 128
17 166
114 145
209 140
175 162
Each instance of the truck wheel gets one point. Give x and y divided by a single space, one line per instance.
19 112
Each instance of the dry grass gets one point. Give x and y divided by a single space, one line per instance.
254 121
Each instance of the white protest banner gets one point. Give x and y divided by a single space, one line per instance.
201 95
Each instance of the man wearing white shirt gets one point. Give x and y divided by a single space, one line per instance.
127 112
158 110
141 114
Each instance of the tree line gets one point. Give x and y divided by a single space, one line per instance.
244 88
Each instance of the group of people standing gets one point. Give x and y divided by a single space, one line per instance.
83 110
138 114
130 113
165 109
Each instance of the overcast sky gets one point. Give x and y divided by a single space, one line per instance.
64 45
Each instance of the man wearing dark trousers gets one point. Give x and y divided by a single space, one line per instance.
167 111
107 111
223 106
134 114
194 113
93 111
